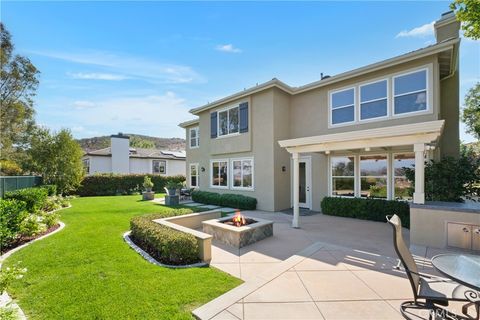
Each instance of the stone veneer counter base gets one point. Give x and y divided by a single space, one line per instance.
238 236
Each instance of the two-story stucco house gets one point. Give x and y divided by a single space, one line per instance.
345 135
120 158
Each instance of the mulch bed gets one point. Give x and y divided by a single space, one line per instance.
24 240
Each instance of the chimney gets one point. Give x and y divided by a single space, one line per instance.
447 27
120 147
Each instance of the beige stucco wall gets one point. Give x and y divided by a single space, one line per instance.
309 113
258 143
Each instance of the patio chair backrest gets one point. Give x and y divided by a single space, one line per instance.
404 253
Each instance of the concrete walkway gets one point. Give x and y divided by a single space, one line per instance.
331 268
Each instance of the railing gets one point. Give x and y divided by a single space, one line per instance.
10 183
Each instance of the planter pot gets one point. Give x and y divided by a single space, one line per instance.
148 195
171 192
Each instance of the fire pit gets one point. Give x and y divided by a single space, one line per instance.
238 231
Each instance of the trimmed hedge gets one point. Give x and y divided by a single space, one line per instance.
366 209
236 201
114 184
166 245
34 198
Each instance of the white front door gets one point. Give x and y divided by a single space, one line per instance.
305 182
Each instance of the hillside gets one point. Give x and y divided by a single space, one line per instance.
136 140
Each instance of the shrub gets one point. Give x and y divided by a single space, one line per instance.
451 179
227 200
113 184
51 189
50 219
34 198
13 213
32 225
366 209
167 245
147 183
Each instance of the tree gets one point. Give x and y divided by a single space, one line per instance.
18 84
138 142
57 157
471 111
468 13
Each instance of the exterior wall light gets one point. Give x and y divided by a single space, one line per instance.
203 169
284 168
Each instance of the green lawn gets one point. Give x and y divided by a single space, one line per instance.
87 271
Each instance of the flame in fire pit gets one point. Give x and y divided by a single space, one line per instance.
238 220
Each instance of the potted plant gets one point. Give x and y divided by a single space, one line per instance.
171 187
148 194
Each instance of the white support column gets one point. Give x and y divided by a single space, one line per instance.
419 194
296 185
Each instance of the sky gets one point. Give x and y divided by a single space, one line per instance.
138 67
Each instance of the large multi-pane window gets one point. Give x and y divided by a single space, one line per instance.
410 92
394 96
219 172
403 187
194 175
373 100
342 105
194 137
159 166
242 173
343 176
373 176
228 121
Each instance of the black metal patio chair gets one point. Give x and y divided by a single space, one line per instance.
434 291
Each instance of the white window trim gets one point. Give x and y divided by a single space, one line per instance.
252 188
387 97
386 177
428 91
331 176
166 166
330 107
390 101
393 176
211 173
219 136
197 129
195 164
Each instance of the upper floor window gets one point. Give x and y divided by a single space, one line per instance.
373 100
228 121
159 166
194 137
410 92
343 106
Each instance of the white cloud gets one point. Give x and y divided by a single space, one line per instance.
227 48
157 115
97 76
82 104
129 66
418 32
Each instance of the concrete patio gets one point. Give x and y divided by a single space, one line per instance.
330 268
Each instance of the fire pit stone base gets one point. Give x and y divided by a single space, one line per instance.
238 236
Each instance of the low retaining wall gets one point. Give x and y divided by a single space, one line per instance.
188 223
443 224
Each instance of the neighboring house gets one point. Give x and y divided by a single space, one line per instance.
346 135
121 158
